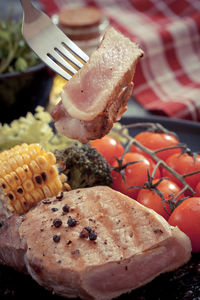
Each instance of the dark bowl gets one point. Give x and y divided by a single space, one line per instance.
21 92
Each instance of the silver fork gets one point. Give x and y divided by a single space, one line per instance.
51 45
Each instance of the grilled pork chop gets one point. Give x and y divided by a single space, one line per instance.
92 243
97 95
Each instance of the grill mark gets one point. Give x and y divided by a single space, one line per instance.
106 222
133 222
143 221
126 223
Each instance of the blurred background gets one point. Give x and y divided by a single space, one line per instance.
25 81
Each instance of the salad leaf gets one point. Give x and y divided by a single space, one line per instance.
15 55
35 128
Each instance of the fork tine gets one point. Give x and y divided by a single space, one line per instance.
75 49
70 56
57 68
58 51
57 57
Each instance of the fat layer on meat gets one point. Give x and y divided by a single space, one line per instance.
133 244
97 95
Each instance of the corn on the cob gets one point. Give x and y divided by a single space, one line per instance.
28 174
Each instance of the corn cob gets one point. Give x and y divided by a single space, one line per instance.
28 174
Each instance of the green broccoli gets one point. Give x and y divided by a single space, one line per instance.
84 166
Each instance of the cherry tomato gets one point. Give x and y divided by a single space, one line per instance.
149 197
197 189
155 141
108 147
184 164
135 174
187 217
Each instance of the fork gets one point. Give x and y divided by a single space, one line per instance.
52 46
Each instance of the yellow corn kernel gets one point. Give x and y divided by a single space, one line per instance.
37 195
38 148
66 187
9 180
42 162
4 185
47 192
28 175
33 153
11 196
26 158
3 172
13 163
21 173
29 199
18 208
63 178
14 180
19 160
27 171
55 186
6 167
38 180
28 185
52 172
34 166
50 158
24 203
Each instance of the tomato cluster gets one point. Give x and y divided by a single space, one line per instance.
134 174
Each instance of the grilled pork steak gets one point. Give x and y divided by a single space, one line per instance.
94 243
97 95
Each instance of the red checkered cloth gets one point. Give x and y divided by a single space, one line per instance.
167 79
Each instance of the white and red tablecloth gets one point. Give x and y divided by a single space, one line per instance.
167 79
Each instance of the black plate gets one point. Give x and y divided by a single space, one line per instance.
184 283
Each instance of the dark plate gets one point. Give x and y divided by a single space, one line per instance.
184 283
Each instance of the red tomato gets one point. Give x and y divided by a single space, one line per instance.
187 217
155 141
108 147
197 189
184 164
135 174
149 197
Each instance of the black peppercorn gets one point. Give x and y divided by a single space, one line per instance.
72 222
88 228
54 209
84 233
56 238
66 208
57 223
92 235
87 232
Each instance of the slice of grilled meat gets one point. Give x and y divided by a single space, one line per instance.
97 95
92 243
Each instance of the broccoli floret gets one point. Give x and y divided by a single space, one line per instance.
84 166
